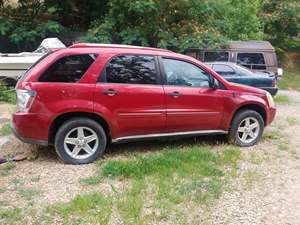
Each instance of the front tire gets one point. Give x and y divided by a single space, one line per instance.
80 141
246 128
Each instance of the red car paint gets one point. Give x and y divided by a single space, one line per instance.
138 109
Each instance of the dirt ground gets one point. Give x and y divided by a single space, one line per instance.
265 192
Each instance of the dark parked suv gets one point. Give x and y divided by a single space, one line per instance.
81 98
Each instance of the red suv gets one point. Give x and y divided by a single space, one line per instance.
83 97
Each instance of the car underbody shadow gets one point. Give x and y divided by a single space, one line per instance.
161 143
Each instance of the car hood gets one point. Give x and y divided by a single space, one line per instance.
246 88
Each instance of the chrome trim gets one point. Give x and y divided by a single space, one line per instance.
157 135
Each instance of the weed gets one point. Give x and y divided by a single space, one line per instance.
130 203
272 135
7 168
93 208
250 177
10 215
282 99
283 146
292 121
7 94
28 194
5 130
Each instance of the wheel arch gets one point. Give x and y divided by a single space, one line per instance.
59 120
251 106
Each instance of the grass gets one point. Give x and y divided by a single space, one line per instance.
290 79
5 130
250 177
93 208
10 215
195 174
292 121
156 187
7 168
282 99
7 94
28 193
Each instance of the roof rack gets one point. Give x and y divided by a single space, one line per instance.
92 45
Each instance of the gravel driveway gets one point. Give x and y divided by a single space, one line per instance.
266 189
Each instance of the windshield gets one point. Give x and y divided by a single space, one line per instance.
244 71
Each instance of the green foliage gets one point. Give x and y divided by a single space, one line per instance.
91 208
282 99
5 130
25 23
7 94
282 21
175 25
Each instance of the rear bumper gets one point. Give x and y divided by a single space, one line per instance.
271 90
30 128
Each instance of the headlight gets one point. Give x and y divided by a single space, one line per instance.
24 99
270 100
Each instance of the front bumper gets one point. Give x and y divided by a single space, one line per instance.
271 115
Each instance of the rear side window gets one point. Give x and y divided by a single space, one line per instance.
223 70
216 56
68 69
252 60
131 69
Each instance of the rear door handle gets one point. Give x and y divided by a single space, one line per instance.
175 94
110 92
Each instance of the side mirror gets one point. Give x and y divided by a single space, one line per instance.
213 83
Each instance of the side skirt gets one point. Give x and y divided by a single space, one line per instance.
159 135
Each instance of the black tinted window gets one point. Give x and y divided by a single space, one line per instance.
185 74
251 60
223 69
216 56
131 69
68 69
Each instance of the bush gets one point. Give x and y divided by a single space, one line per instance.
7 94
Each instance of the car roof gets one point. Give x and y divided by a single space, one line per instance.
115 46
221 62
115 49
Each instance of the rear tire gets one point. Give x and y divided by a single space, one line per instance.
246 128
80 141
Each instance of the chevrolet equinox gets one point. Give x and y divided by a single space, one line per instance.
84 97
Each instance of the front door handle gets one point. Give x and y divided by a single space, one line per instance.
110 92
175 94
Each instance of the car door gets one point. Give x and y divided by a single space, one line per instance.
191 103
131 94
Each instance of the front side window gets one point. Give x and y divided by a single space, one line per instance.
216 56
223 70
68 69
251 60
182 73
131 69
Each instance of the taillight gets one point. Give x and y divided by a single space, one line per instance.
24 99
274 83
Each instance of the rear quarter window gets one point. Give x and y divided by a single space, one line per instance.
252 60
69 69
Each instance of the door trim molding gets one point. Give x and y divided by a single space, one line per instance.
158 135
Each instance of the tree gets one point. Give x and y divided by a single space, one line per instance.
282 20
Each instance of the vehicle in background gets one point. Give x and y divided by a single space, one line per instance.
13 65
242 75
81 98
255 55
